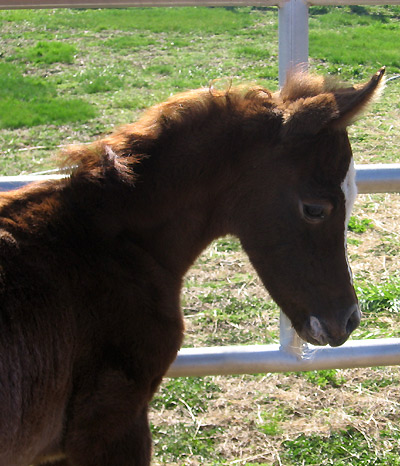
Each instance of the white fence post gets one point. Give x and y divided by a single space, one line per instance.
293 36
293 52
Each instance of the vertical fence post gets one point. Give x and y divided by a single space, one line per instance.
293 36
293 51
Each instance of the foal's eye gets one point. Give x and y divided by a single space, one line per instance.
316 212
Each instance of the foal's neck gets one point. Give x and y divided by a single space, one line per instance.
187 158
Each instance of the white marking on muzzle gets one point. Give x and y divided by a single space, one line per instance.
317 331
349 189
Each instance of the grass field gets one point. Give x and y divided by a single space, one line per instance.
70 75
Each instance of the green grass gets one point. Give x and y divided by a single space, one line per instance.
93 83
15 113
129 43
375 384
30 101
254 52
14 85
49 52
190 441
339 449
155 20
354 41
185 391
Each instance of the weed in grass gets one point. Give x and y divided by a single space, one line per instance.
235 310
267 71
353 51
177 42
359 226
379 297
357 56
325 378
228 320
49 52
380 304
271 421
216 284
258 464
271 427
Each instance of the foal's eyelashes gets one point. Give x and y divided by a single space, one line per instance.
315 212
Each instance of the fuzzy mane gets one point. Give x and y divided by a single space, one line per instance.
306 101
300 85
129 144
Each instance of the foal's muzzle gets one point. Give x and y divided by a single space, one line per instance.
335 332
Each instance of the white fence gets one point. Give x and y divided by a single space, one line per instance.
292 354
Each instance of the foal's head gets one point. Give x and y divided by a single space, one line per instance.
294 214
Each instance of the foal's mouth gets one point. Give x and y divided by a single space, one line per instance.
318 333
322 340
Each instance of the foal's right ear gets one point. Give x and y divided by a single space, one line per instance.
307 116
311 107
351 101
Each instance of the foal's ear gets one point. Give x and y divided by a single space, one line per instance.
307 110
307 116
351 101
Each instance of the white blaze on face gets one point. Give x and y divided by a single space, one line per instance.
349 189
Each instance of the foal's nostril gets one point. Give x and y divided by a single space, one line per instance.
333 331
353 321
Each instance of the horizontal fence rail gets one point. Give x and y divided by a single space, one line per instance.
376 178
7 183
255 359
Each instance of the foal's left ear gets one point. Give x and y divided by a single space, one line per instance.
351 101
